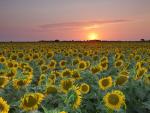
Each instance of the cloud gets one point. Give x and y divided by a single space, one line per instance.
79 24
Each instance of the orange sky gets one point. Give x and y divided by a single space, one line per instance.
33 20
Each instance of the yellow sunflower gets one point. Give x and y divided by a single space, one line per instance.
140 73
121 80
51 89
84 88
95 69
74 97
62 63
19 83
4 107
114 100
3 81
82 65
119 63
31 101
63 112
105 83
66 84
66 73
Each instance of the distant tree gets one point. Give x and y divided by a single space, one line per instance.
57 40
142 40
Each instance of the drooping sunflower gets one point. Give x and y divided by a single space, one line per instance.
3 81
147 79
31 101
114 100
4 107
140 73
121 80
84 88
105 83
66 84
51 89
74 97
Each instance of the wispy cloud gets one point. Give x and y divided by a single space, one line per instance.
80 24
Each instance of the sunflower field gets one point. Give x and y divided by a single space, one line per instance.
75 77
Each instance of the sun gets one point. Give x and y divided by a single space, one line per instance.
92 36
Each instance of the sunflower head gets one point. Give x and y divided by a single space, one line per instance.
31 101
74 97
105 83
140 73
96 69
82 65
51 89
3 81
66 84
114 100
121 80
119 63
4 107
66 73
75 75
84 88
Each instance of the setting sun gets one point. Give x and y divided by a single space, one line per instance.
93 36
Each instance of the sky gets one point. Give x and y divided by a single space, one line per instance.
33 20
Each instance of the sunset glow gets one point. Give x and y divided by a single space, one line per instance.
34 20
93 36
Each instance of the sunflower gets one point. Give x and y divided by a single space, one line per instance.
19 83
4 107
75 61
105 83
50 54
96 69
76 75
124 72
114 100
52 64
147 79
62 63
104 65
66 73
119 63
63 112
74 97
140 73
3 81
31 101
84 88
44 68
51 89
2 60
20 54
11 73
82 65
66 84
121 80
